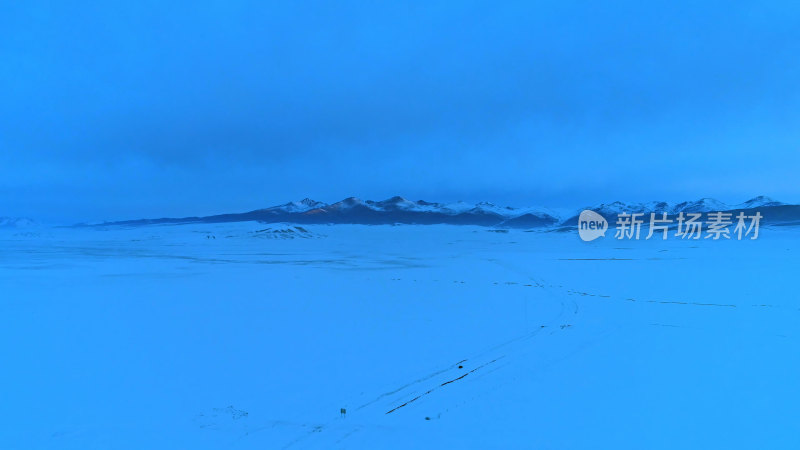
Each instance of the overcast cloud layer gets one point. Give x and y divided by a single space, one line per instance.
141 109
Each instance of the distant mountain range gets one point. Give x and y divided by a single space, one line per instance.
390 211
17 222
772 211
398 210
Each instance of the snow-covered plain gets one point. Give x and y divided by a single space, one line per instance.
253 336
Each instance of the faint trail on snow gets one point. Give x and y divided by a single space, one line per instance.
428 377
414 391
444 384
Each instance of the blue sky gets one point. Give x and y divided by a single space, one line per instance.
148 109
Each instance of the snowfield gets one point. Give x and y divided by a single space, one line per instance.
254 336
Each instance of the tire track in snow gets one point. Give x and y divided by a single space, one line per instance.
566 307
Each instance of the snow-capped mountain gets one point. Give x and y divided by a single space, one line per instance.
761 201
620 207
399 210
701 206
778 211
401 204
398 203
394 210
303 205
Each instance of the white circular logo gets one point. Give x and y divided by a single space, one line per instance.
591 225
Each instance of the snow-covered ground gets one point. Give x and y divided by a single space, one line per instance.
252 336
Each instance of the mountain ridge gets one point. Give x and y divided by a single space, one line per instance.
399 210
